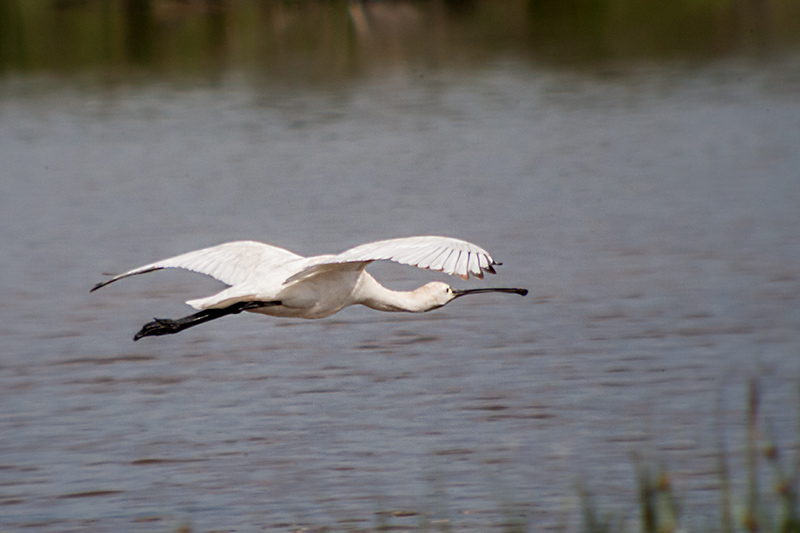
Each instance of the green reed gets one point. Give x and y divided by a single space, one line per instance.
764 508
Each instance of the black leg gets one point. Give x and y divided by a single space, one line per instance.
166 326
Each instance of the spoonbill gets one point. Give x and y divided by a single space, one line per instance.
266 279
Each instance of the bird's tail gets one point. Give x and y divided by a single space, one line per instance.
222 299
199 303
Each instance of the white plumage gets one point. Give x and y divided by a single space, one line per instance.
271 280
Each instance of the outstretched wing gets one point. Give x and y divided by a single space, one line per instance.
443 254
231 262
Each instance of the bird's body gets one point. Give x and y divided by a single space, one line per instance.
273 281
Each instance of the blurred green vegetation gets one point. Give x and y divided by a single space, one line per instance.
339 39
767 503
767 500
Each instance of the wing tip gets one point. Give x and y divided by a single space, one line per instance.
100 285
481 270
121 276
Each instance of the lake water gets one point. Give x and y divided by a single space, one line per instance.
652 212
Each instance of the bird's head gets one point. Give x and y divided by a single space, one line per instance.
439 294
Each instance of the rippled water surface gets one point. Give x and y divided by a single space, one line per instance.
652 212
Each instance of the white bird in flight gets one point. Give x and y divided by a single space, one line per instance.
273 281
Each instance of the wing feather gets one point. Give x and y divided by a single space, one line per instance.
434 261
438 264
463 263
474 266
425 257
452 256
231 263
451 262
416 257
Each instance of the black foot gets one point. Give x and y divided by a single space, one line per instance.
159 326
166 326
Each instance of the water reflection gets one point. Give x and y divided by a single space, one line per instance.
312 40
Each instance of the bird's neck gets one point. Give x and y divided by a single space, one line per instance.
375 296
